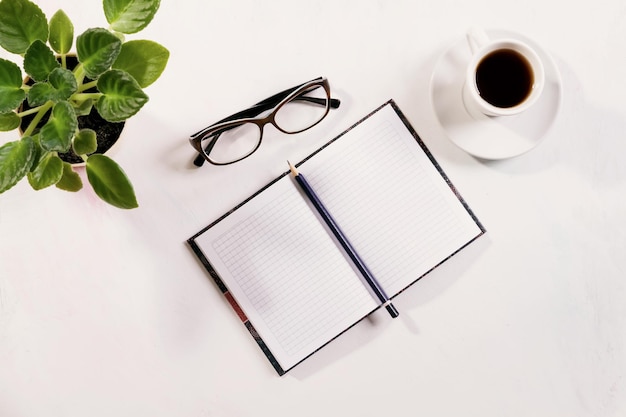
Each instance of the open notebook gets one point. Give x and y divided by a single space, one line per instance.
283 272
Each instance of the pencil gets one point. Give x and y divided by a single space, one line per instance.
345 243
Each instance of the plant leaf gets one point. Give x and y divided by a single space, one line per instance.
21 23
57 133
11 93
70 181
122 96
110 182
85 142
39 151
16 158
9 121
48 172
83 108
130 16
64 82
40 93
144 60
60 86
97 49
61 32
39 61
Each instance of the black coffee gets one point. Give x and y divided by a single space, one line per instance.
504 78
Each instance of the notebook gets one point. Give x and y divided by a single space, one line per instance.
283 272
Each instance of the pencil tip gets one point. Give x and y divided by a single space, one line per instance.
293 169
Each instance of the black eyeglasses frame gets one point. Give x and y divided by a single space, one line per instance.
250 115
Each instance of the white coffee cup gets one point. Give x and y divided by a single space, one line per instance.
504 76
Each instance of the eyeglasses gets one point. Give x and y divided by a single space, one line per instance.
238 136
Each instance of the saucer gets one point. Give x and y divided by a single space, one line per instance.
483 136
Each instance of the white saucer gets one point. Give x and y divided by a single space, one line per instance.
491 137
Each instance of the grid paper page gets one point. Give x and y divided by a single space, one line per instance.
287 274
390 201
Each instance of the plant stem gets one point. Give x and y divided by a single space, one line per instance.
79 74
87 86
86 96
29 111
40 114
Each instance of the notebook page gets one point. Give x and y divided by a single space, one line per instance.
286 273
396 209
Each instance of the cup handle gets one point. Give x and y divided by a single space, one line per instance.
476 38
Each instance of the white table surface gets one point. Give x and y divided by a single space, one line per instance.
106 312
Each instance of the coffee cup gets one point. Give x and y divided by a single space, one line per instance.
504 76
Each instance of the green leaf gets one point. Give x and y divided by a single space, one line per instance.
11 93
39 61
48 172
144 60
70 181
61 32
85 142
83 108
16 158
21 23
57 133
97 50
40 93
64 82
39 151
130 16
122 96
9 121
110 182
61 85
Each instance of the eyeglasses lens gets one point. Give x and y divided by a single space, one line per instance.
232 144
304 111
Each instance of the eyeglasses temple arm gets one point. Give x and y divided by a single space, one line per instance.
334 102
278 97
199 160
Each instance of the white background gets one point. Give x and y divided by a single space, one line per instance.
105 312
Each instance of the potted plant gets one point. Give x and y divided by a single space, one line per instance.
55 101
